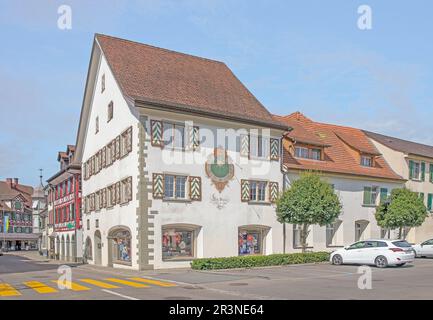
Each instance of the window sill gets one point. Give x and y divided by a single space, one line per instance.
300 247
264 203
178 260
369 205
335 246
176 200
123 263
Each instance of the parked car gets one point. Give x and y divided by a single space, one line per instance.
424 249
381 253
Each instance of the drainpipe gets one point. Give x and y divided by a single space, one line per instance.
284 181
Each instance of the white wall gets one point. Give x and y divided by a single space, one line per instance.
124 215
350 191
218 235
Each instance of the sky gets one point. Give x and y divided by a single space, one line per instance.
307 56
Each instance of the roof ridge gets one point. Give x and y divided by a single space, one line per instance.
391 137
158 48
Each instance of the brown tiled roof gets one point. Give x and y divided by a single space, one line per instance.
405 146
172 79
8 193
338 156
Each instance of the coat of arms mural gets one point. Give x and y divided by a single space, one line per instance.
219 168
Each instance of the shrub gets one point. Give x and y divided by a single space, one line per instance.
258 261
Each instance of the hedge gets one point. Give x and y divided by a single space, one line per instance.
259 261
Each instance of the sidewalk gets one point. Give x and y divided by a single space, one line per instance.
35 256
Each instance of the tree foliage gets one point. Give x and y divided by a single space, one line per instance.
403 208
310 200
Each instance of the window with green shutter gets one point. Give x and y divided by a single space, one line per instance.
383 194
367 196
422 171
411 167
431 172
430 202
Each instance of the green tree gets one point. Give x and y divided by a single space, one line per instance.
403 208
308 201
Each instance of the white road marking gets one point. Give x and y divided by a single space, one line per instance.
119 294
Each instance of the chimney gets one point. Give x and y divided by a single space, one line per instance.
15 182
9 182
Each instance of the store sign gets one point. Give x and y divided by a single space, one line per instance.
219 168
63 200
65 225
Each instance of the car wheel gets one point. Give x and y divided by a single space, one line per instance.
401 264
381 262
416 254
337 260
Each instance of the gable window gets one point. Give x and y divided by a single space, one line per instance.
103 83
174 135
307 153
96 125
258 191
110 111
366 161
370 196
174 187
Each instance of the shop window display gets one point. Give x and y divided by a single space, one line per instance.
177 244
122 246
250 242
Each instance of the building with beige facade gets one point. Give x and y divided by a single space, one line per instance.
414 162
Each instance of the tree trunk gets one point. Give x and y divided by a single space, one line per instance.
304 236
399 232
284 237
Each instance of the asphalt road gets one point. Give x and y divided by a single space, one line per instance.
21 278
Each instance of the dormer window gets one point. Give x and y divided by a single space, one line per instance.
308 153
366 161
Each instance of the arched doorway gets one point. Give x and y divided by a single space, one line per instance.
88 250
98 248
74 248
62 250
119 246
68 248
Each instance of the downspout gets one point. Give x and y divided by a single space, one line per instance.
284 181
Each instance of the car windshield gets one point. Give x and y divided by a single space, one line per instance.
401 244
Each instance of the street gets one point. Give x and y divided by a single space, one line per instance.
23 278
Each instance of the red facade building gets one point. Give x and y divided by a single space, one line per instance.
64 208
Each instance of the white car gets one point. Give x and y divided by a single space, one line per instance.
424 249
381 253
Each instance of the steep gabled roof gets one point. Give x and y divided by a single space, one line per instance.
338 158
187 83
408 147
8 193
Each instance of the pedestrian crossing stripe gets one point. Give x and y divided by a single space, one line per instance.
100 284
70 285
154 282
127 283
6 290
39 287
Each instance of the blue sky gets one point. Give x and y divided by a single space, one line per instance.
293 55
